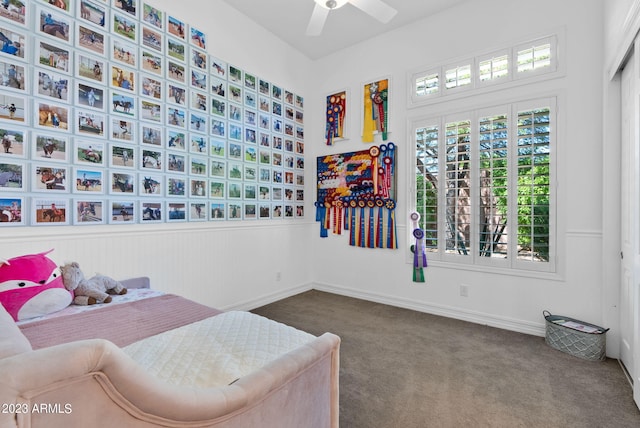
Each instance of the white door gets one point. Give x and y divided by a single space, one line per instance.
630 220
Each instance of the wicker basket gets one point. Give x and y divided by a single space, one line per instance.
586 345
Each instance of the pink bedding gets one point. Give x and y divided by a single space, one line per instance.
122 324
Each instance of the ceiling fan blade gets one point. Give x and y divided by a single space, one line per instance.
318 17
376 8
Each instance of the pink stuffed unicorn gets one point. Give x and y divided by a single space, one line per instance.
32 286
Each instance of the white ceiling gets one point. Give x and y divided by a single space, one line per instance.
346 26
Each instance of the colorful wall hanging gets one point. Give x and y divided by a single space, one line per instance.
376 118
418 249
336 111
356 193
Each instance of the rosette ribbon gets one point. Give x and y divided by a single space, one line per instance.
419 256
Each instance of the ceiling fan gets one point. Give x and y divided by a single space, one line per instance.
376 8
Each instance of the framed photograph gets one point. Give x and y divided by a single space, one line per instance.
176 117
124 52
217 189
176 71
51 84
235 151
264 121
48 178
277 125
299 211
235 93
299 101
122 212
197 188
250 117
299 147
124 26
250 209
198 166
288 97
277 210
264 87
151 184
300 179
16 11
176 27
122 156
235 75
152 63
52 116
265 139
176 186
123 130
123 104
234 211
288 161
150 87
199 101
176 49
219 68
90 124
176 163
276 108
264 193
276 142
250 135
250 99
198 144
276 159
151 160
299 117
288 128
93 12
264 174
197 211
197 38
250 192
151 211
265 157
88 181
264 104
276 176
12 142
14 44
176 140
250 83
264 211
90 96
217 211
49 212
199 60
299 162
218 87
199 79
89 152
276 92
198 122
11 211
152 16
288 195
235 170
62 5
218 107
288 145
217 147
151 135
176 211
234 190
176 94
91 39
152 38
89 211
12 108
235 131
50 147
235 112
13 75
53 24
12 176
288 177
122 183
250 172
150 111
90 68
276 193
218 169
288 112
123 78
250 154
127 6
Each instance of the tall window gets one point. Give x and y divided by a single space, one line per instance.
484 186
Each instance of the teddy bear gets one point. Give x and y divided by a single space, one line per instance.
96 289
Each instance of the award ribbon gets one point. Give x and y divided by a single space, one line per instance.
419 256
368 125
352 231
371 238
379 241
361 242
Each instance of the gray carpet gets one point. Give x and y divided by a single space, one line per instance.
401 368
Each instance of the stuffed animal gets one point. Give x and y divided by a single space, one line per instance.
31 286
89 291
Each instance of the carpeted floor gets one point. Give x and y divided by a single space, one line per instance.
401 368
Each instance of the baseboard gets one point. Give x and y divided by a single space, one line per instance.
519 326
248 305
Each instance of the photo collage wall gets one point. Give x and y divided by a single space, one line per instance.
113 112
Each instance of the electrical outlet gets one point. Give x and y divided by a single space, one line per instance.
464 290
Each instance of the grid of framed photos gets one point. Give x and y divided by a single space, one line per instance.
113 111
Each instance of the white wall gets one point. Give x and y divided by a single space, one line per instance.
505 300
228 264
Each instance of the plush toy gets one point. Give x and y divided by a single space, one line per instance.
89 291
32 286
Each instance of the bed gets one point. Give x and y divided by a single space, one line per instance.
153 359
